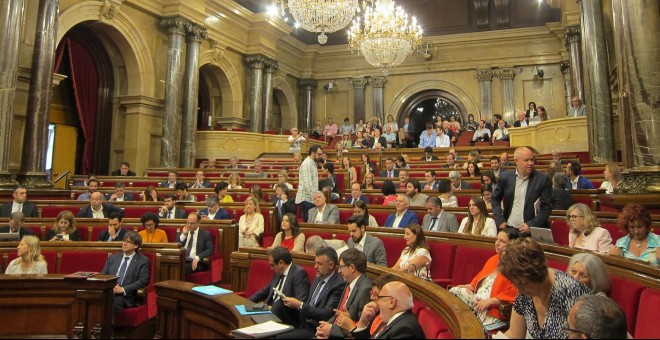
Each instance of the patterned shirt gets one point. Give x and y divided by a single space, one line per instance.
649 255
308 180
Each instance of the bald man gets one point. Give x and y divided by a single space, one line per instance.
395 304
403 217
522 121
97 208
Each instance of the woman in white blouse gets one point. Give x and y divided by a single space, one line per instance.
415 258
446 191
613 177
29 260
234 181
586 232
477 222
251 224
391 123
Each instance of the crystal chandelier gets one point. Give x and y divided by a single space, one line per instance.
386 36
321 16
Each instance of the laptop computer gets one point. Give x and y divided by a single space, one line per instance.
542 235
9 237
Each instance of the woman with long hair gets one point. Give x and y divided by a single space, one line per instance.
29 260
391 123
471 125
586 232
250 224
486 193
478 222
369 182
613 177
150 194
352 173
64 228
415 257
473 170
360 208
366 163
256 193
346 141
290 237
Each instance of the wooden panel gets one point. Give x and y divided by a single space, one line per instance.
64 151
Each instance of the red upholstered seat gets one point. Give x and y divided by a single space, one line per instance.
170 231
463 200
49 256
431 323
35 229
418 306
614 230
446 335
311 272
134 316
627 293
588 201
53 210
380 216
559 265
267 239
560 232
648 318
90 261
443 258
501 143
393 247
468 262
259 275
344 214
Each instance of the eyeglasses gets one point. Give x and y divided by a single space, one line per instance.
128 241
566 328
382 297
573 217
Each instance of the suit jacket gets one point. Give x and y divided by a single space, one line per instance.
357 299
166 184
465 185
221 214
373 248
127 197
205 184
329 298
136 277
435 185
517 123
21 232
108 209
179 212
583 183
395 173
118 236
296 285
29 209
538 188
405 326
409 217
561 199
381 140
362 198
433 158
118 173
330 214
204 246
447 222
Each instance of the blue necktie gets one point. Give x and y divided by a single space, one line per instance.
122 269
319 288
169 214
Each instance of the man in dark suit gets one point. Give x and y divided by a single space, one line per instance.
19 203
124 170
97 208
170 210
522 121
356 195
395 304
283 203
457 183
16 225
325 294
200 181
403 217
198 244
428 155
213 210
120 194
371 246
379 140
132 269
431 182
390 171
114 231
438 219
504 160
171 180
352 268
534 208
291 279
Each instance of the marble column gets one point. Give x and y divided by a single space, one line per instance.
485 78
269 67
358 96
638 67
568 87
11 26
40 94
307 86
378 84
572 38
508 105
169 145
256 64
191 95
598 100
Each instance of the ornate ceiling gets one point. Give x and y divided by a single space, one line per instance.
442 17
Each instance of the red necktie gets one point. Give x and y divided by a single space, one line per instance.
344 298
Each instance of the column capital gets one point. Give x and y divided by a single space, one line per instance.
256 61
565 67
308 84
377 82
357 83
485 75
573 34
270 65
506 73
175 25
196 33
218 51
110 8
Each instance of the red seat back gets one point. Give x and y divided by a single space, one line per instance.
614 230
380 216
431 323
394 246
443 260
311 272
91 261
627 293
648 318
53 210
560 232
259 276
344 214
468 262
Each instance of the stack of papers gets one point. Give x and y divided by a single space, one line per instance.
262 330
241 309
211 290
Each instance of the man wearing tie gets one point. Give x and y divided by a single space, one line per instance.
356 195
371 246
19 203
198 244
389 171
326 292
291 279
132 269
169 209
438 219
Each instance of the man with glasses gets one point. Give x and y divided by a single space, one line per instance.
197 242
132 268
213 210
291 280
200 181
308 180
577 108
596 317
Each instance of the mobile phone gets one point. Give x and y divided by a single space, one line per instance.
59 236
258 306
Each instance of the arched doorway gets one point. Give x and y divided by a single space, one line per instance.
430 106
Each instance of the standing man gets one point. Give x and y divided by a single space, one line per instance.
438 219
577 108
114 231
16 225
198 244
124 170
526 194
308 180
372 247
19 203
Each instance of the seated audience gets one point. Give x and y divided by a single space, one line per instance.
401 163
442 140
473 170
19 203
120 194
290 237
151 233
489 289
356 195
482 134
477 222
256 193
403 217
470 125
329 184
390 137
561 198
197 242
488 178
414 192
586 232
344 321
114 231
97 208
597 317
345 141
183 193
428 155
367 166
371 246
486 193
29 259
427 137
150 194
124 170
474 156
541 291
456 183
285 205
64 228
446 191
283 178
234 182
360 208
314 243
322 212
438 219
16 220
495 168
221 192
213 210
640 243
501 133
171 180
169 209
200 181
403 179
92 187
389 192
233 164
543 114
451 162
504 160
132 268
522 121
415 258
258 171
590 270
612 176
431 182
250 224
360 141
291 279
389 171
574 171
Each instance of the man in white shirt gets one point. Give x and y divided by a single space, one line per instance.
390 137
322 212
403 217
502 133
577 108
482 134
19 203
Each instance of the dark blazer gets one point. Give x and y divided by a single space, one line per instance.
409 217
179 212
362 198
538 188
359 297
373 248
75 236
204 243
118 237
382 140
435 185
21 232
561 199
465 185
221 214
433 158
166 184
205 184
29 209
447 223
583 183
296 285
118 173
517 123
405 326
136 277
108 209
329 298
395 173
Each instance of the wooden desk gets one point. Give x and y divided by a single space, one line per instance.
184 314
49 306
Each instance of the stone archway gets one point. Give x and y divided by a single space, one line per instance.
223 74
285 96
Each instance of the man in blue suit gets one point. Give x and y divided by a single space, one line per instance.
213 210
291 279
574 171
356 195
198 243
403 216
132 269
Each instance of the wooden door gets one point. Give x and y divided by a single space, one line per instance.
64 152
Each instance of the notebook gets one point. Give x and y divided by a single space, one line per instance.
542 235
211 290
9 237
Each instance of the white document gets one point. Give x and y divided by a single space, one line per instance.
263 330
279 292
537 206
